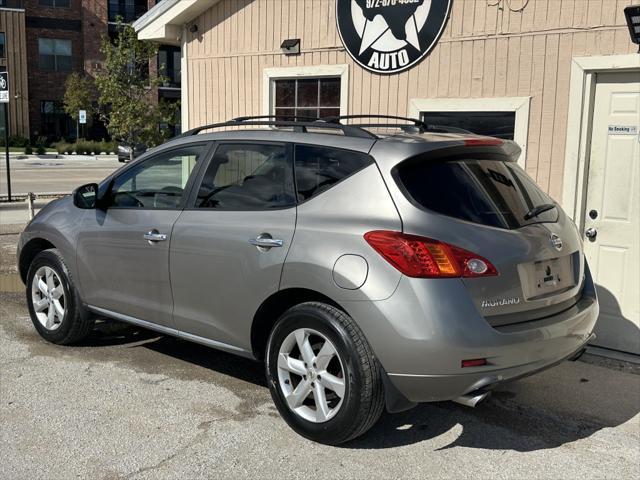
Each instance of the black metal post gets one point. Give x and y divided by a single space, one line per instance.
6 147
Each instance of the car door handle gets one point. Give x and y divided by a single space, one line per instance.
265 241
155 236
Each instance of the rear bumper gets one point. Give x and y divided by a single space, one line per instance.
429 388
422 333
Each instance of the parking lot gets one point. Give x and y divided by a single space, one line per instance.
128 403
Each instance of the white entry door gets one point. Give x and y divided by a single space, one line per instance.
612 209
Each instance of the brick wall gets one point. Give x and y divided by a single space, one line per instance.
84 22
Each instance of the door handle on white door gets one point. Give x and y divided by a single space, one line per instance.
265 241
154 236
591 233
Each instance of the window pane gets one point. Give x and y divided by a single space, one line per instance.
247 177
307 93
285 93
47 62
45 46
318 168
158 182
47 3
329 112
285 114
2 43
307 113
63 64
63 47
493 124
330 92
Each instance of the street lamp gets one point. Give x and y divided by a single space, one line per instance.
632 14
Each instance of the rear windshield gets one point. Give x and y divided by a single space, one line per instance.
489 192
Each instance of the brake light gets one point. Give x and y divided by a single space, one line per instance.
423 257
483 142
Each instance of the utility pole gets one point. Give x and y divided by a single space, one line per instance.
4 98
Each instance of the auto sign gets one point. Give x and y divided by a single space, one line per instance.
389 36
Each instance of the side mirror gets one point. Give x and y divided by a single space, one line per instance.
86 196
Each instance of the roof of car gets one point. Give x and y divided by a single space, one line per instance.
405 139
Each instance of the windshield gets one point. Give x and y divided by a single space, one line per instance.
489 192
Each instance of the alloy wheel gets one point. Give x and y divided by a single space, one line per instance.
311 375
47 298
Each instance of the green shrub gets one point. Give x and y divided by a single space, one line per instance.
28 150
15 141
106 147
83 147
60 147
41 150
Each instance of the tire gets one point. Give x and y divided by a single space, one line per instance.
71 322
362 390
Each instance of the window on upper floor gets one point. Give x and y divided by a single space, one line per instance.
128 10
169 65
2 45
55 3
55 54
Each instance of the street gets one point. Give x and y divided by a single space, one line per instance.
57 175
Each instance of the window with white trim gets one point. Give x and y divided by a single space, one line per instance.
307 97
307 91
502 117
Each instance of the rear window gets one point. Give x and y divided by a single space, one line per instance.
489 192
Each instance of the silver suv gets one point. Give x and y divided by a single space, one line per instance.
368 263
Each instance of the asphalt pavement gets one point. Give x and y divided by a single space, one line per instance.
51 173
131 404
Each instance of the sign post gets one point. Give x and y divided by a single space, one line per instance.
4 98
82 119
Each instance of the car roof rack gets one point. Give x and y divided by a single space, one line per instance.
299 124
415 124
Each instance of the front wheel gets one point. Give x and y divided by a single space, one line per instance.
322 374
54 304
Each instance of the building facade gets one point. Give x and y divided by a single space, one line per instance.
64 36
13 59
559 77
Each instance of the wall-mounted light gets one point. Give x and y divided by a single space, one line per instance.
193 28
291 46
632 13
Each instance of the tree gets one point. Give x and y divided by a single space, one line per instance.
127 88
77 95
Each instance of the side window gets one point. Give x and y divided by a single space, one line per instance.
157 182
318 168
248 177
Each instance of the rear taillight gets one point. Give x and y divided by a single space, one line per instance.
423 257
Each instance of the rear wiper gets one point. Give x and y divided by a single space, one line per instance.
537 210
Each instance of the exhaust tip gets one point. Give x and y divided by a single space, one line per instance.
472 399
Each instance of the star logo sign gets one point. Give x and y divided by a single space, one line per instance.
388 36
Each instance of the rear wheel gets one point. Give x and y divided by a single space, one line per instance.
322 374
53 301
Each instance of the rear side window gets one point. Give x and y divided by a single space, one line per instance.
489 192
248 176
318 168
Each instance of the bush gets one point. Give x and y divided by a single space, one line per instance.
107 147
15 141
84 147
41 150
28 150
